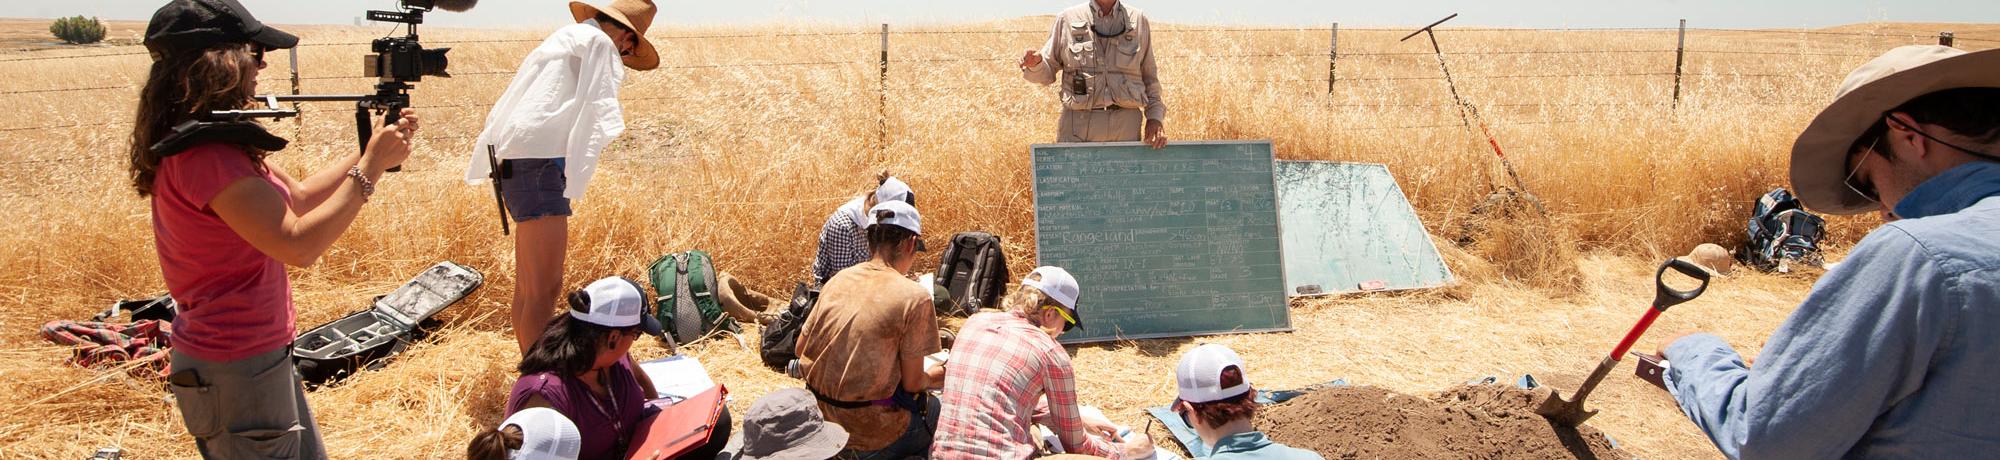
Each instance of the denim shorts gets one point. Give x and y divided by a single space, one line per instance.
534 188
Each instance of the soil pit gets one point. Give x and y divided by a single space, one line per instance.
1473 421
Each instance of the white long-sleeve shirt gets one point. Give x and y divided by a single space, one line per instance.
563 103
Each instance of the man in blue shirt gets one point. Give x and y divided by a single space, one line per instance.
1896 352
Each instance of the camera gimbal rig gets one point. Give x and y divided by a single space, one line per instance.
397 62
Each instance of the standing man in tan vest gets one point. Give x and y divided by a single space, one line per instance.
1101 56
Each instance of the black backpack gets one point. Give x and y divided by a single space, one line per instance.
160 308
780 344
1781 232
974 270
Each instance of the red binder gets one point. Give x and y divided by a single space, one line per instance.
678 428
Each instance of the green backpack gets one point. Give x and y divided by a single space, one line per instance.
687 306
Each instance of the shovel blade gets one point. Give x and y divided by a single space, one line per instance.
1562 412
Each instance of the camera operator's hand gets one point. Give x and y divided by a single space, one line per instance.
391 144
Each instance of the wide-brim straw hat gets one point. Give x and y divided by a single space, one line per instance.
636 15
1819 157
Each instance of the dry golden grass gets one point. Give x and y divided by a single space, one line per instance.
745 161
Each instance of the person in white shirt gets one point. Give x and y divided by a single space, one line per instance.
547 131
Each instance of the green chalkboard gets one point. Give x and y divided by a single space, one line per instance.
1166 243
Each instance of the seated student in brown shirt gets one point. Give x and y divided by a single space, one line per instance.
863 347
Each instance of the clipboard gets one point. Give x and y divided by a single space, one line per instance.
678 427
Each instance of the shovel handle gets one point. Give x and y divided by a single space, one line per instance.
1637 330
1666 296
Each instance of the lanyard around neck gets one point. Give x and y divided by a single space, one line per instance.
611 414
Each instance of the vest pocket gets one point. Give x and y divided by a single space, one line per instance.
1134 94
1127 58
1082 54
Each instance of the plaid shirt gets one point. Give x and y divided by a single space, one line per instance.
1000 367
842 243
93 344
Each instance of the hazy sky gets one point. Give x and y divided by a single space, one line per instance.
1552 13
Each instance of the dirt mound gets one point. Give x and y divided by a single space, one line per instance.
1475 421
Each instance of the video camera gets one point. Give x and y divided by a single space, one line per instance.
403 59
397 62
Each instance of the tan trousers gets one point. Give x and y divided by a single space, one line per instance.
1100 125
744 304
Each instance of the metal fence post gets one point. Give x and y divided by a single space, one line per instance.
1944 38
1332 55
298 121
882 93
1680 59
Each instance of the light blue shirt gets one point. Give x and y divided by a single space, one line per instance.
1894 354
1253 445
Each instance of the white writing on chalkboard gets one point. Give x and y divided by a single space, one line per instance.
1174 242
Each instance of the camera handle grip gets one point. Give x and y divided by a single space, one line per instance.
364 124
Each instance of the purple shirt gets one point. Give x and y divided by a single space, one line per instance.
606 424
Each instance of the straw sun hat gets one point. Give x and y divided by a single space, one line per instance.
1711 258
1819 157
636 15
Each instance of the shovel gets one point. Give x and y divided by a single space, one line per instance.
1571 413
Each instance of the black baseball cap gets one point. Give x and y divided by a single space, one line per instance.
203 24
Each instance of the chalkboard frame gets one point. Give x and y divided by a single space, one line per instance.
1284 307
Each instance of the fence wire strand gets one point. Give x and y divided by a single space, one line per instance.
1692 77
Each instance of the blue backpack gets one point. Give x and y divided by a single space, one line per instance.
1781 233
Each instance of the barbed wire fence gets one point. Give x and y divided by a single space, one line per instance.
885 61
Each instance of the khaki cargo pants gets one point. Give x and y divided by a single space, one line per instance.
247 408
1124 124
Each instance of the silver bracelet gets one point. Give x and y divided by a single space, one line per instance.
367 186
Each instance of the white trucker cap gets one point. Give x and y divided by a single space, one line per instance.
1057 283
895 190
613 302
545 435
1199 375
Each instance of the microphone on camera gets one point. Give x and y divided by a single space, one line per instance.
456 6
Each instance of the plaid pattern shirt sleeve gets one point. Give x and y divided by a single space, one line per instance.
840 246
1059 383
1000 369
989 379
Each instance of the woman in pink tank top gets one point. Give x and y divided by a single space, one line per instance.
226 223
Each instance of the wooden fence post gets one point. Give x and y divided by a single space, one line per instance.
1332 55
1944 38
1680 60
